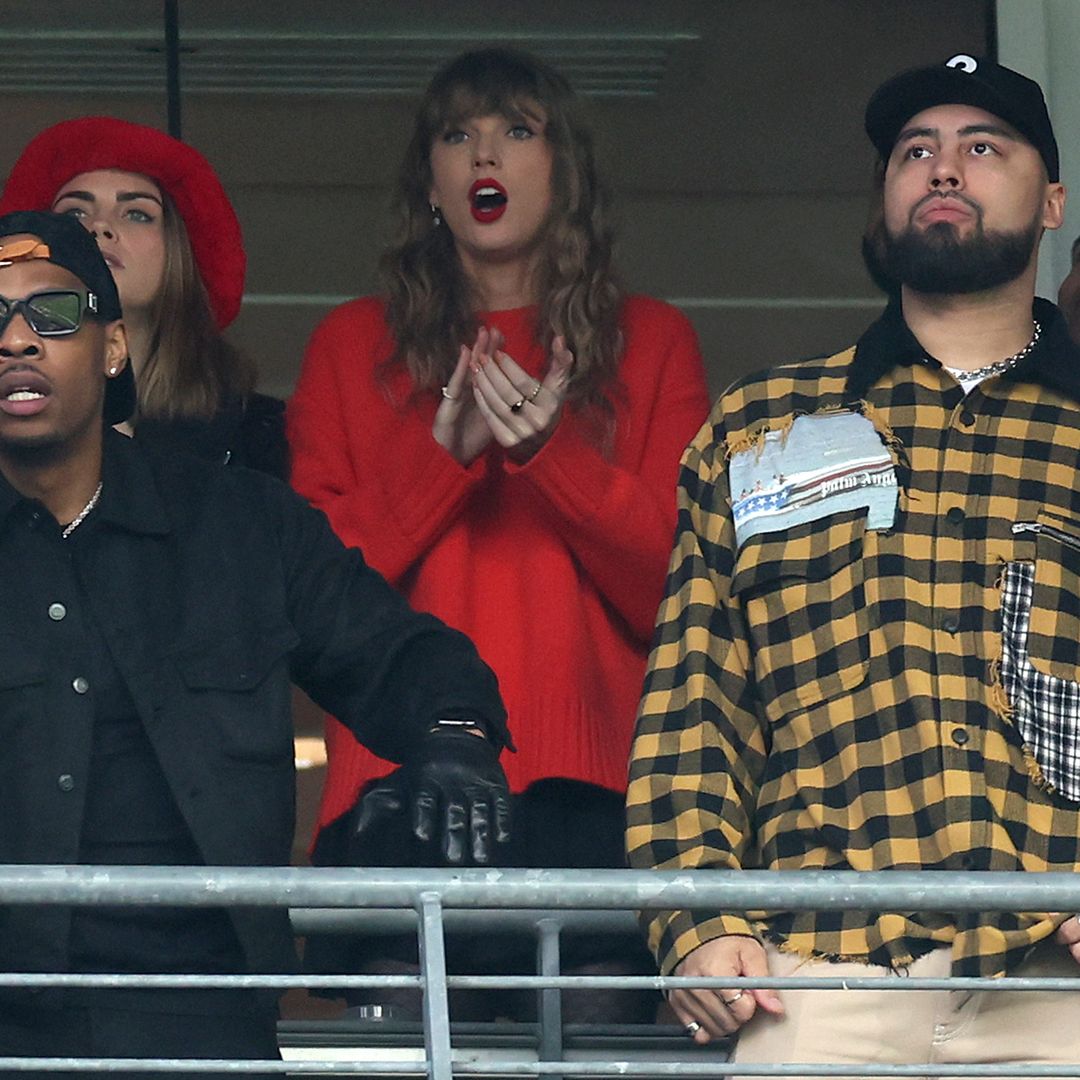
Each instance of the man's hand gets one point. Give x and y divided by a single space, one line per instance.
718 1013
1068 934
457 792
456 795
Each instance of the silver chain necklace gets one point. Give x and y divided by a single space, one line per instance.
80 517
998 367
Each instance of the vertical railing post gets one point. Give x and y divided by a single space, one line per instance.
435 996
549 999
172 68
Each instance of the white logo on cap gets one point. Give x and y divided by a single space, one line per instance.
963 61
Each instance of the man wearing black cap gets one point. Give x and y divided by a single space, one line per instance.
154 612
868 656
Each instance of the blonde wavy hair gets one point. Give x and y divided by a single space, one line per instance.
429 301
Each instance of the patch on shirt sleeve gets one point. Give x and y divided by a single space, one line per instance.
823 464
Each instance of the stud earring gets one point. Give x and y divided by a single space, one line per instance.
436 217
112 371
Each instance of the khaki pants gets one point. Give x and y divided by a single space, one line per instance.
909 1027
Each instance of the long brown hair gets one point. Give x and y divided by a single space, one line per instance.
191 369
429 307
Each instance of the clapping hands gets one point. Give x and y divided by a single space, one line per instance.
489 396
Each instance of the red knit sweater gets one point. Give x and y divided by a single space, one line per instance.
555 569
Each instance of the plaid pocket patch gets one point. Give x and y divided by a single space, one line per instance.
1046 709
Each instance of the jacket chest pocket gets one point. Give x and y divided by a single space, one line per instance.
238 684
1053 637
804 600
22 675
20 666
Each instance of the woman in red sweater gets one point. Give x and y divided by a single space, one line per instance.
500 434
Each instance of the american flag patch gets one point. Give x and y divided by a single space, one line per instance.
824 464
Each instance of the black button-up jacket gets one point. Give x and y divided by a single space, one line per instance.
213 588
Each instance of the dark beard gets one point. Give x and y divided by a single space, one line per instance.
36 453
937 261
52 448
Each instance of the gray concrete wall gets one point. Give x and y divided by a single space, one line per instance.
741 184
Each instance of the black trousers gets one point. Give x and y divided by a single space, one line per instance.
31 1029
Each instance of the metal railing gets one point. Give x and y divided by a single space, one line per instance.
552 901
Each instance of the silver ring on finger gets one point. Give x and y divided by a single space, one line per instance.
734 997
536 390
692 1028
446 394
518 405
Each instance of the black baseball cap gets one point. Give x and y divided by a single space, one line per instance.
964 80
75 249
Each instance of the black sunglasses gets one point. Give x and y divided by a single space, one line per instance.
52 313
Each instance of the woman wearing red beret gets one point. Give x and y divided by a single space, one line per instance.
173 242
500 435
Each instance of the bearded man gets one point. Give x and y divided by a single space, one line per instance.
869 653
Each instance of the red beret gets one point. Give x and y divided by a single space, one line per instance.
67 149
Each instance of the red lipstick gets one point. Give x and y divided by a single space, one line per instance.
487 200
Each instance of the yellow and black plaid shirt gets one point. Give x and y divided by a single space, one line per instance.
845 693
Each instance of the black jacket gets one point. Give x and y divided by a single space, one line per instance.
244 431
213 588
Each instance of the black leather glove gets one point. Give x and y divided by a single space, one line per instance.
456 791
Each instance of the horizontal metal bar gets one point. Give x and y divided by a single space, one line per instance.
786 982
354 65
805 890
376 921
111 36
709 1069
769 303
126 981
719 303
330 77
82 85
596 898
36 979
516 1067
